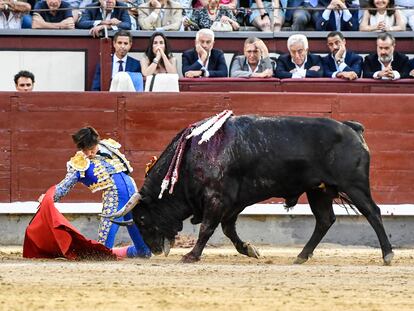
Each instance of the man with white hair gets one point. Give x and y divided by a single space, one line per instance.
298 63
386 64
203 60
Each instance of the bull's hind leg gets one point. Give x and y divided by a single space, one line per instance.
245 248
320 202
364 203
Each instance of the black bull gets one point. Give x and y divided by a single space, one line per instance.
251 159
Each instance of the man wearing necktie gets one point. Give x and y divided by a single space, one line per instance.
339 17
304 14
122 43
110 14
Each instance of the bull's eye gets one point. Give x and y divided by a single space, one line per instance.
141 221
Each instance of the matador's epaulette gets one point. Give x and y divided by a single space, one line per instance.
111 143
79 162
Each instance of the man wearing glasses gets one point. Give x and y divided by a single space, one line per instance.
255 63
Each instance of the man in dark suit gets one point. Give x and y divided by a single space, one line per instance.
298 63
203 60
340 62
386 64
105 13
337 16
122 43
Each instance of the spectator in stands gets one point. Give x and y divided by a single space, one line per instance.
122 43
386 64
255 63
337 16
78 7
160 15
231 4
11 13
203 60
340 62
24 81
298 63
158 57
212 13
407 11
267 15
306 14
59 15
110 14
382 17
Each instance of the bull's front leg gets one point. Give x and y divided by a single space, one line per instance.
206 231
211 219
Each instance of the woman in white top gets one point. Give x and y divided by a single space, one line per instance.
158 57
383 17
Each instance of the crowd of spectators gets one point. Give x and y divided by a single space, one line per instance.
218 15
203 60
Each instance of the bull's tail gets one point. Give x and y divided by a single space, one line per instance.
346 202
359 129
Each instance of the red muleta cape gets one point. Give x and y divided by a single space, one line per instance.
51 235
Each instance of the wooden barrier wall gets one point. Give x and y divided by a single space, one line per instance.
312 85
35 131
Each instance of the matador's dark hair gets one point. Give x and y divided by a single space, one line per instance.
86 138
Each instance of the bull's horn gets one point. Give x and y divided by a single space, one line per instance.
133 200
166 247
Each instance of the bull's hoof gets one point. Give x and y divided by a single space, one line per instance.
252 251
300 260
189 258
388 259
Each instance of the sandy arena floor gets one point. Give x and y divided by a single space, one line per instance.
336 278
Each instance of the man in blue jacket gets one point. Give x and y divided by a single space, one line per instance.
105 13
122 43
203 60
298 63
340 62
339 15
